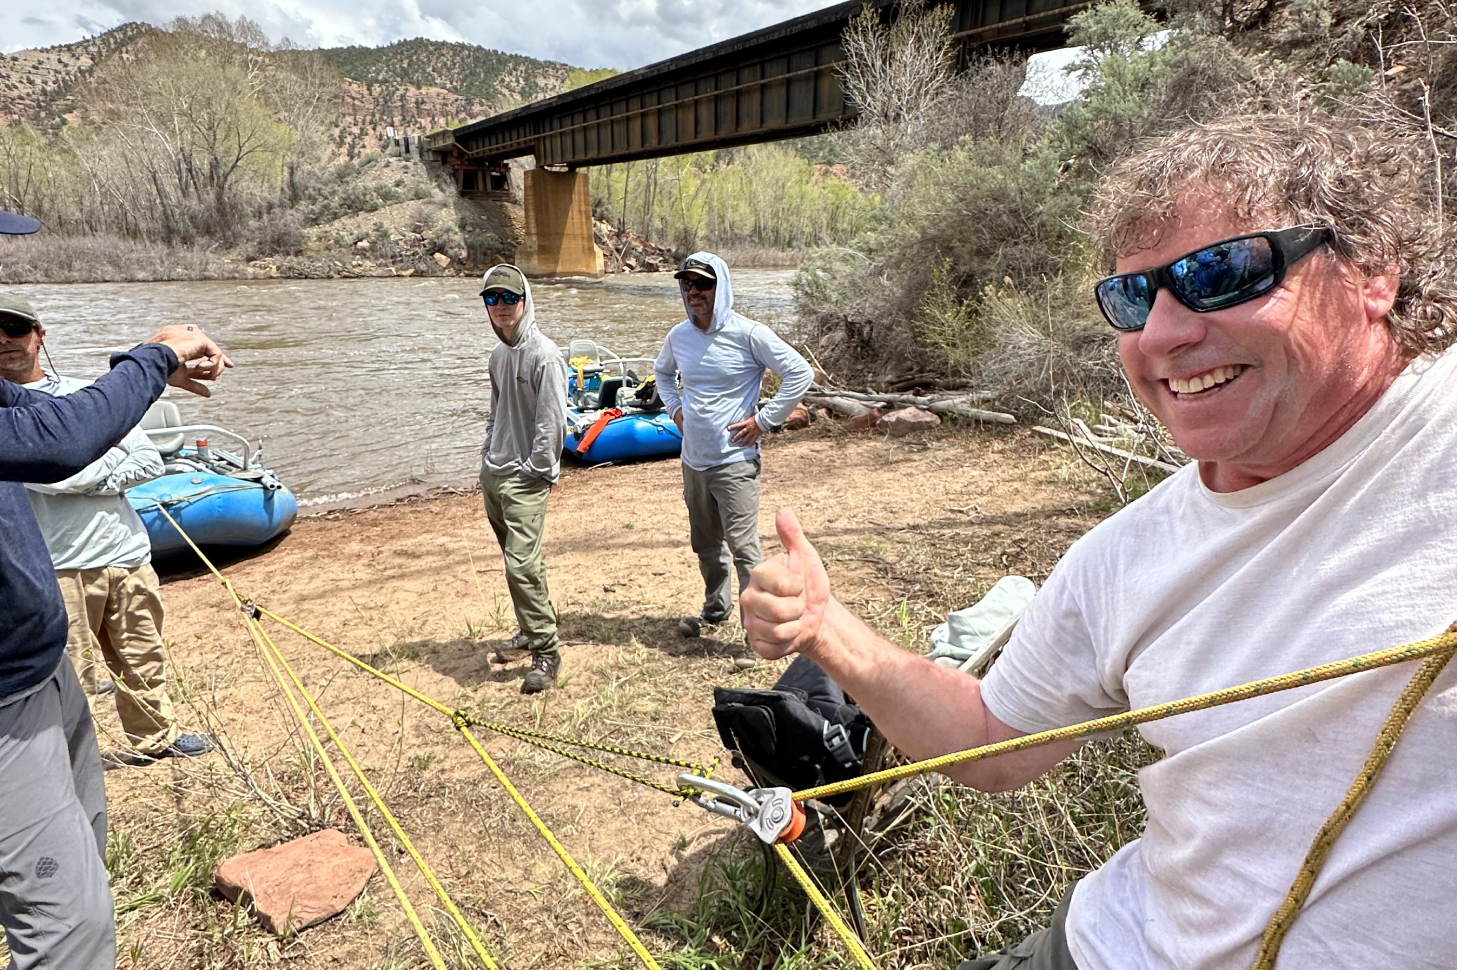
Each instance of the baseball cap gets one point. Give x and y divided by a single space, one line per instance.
11 305
697 267
506 278
15 224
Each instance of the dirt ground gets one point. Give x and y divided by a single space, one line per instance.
909 528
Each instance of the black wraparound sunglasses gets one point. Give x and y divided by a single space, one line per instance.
501 296
700 283
1219 276
15 327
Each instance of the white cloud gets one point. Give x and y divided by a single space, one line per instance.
587 33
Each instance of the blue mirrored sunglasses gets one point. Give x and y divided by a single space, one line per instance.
501 296
1219 276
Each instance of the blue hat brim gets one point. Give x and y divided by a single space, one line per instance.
14 224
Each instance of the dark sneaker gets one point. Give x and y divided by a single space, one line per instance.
186 746
541 675
517 644
693 626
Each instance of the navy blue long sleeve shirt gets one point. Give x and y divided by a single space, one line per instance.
45 439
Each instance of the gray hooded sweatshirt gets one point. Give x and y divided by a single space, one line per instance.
723 370
527 425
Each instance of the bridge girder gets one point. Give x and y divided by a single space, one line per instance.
776 83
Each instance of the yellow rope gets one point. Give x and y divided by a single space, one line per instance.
434 954
596 894
536 738
1259 688
612 917
1325 839
852 942
260 637
455 914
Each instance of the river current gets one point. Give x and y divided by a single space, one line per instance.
355 386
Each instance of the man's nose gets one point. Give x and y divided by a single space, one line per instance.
1170 327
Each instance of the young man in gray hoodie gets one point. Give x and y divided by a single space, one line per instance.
521 460
721 357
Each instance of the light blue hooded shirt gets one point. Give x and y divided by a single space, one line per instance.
722 370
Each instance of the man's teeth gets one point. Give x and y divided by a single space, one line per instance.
1201 382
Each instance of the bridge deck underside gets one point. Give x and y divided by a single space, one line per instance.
782 82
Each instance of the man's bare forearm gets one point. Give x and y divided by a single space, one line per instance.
923 708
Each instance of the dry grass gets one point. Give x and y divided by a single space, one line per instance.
46 258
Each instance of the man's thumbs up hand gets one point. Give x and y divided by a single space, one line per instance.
788 595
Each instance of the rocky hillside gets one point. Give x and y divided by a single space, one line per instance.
35 85
412 86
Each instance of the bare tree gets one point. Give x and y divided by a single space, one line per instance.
898 75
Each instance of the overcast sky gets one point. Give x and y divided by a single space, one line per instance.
586 33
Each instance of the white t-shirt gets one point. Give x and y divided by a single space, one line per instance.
1187 591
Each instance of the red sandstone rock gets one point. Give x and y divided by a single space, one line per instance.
297 884
909 420
866 421
798 418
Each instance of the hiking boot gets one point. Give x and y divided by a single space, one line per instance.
693 626
541 675
517 644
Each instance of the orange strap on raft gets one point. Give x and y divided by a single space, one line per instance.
603 420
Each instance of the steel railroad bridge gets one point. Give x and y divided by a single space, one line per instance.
779 82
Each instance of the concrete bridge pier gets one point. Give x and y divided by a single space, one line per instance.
559 239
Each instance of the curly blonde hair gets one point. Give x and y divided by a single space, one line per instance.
1374 187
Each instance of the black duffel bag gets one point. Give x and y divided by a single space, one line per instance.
802 733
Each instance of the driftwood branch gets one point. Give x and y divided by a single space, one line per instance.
852 404
1085 442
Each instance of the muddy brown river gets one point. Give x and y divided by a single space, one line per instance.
356 386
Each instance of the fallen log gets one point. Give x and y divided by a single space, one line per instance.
842 406
957 409
913 400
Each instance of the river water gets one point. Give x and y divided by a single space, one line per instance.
359 385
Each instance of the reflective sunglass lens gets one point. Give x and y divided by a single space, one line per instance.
510 299
1126 301
16 328
1226 273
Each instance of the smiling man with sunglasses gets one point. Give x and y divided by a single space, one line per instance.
521 460
1285 303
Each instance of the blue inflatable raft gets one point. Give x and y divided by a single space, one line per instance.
618 415
218 497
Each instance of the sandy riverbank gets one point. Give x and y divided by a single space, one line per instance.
910 528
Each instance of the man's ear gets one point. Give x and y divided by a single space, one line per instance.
1378 293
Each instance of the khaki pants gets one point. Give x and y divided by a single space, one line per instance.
114 616
723 529
516 509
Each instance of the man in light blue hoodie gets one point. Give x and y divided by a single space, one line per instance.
522 459
721 358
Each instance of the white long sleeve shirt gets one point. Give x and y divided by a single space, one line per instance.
723 371
86 520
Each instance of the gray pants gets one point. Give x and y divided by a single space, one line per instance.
516 509
54 901
1043 950
723 527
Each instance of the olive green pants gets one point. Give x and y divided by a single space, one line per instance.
516 509
1043 950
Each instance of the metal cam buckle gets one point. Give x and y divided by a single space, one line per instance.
766 811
